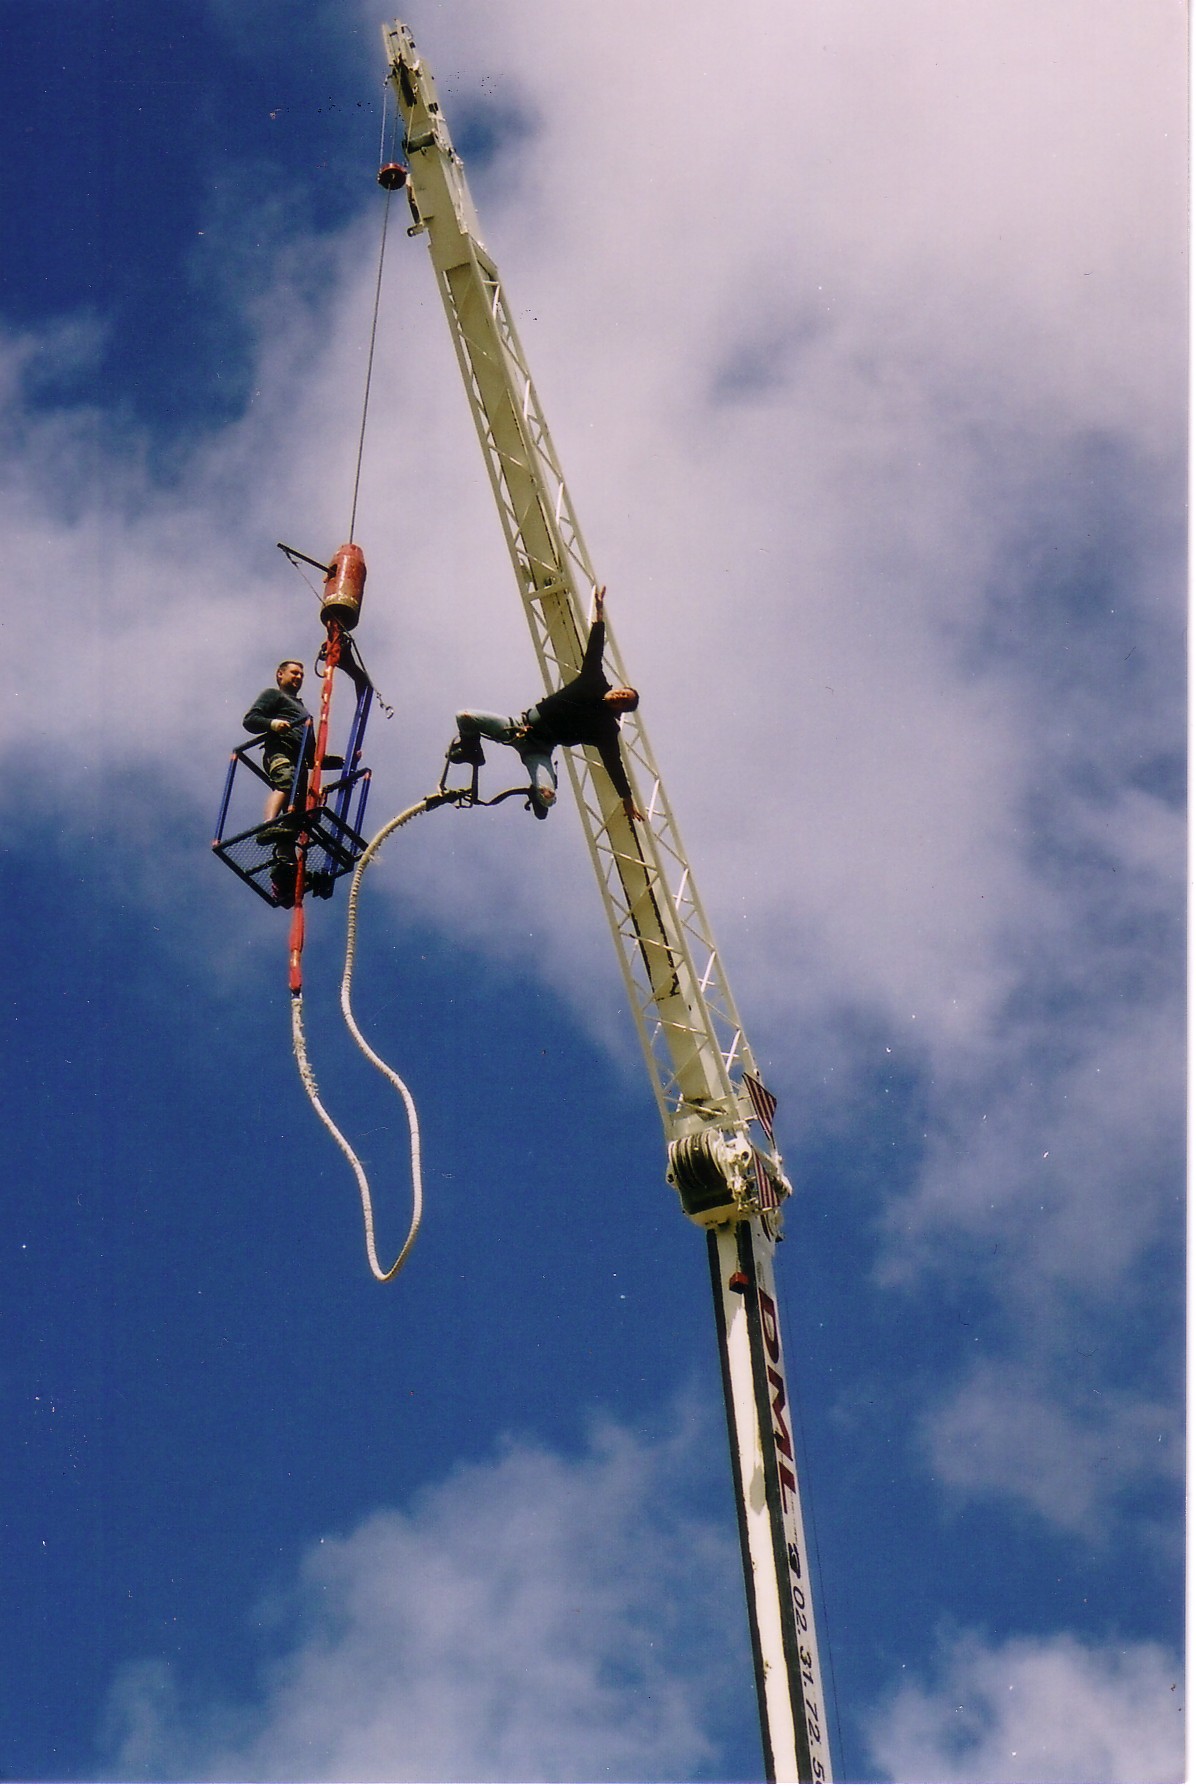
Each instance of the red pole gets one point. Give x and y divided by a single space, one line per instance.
296 942
332 654
332 657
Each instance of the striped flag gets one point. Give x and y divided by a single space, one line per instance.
769 1196
763 1104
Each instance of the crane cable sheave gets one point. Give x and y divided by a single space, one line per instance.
690 1032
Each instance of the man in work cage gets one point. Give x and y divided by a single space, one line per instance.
279 714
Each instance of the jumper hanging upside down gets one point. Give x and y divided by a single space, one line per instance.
584 711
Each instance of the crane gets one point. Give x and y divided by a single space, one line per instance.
717 1114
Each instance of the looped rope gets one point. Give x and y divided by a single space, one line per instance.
363 1185
383 1275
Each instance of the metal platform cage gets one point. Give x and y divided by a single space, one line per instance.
334 830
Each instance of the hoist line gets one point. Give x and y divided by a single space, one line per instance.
382 1274
369 365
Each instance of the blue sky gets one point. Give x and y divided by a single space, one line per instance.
861 331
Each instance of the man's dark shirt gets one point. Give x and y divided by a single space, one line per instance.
577 715
276 704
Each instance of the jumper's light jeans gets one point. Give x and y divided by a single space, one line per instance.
502 728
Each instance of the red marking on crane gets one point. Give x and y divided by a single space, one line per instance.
769 1325
780 1426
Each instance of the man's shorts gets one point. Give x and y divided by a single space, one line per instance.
280 770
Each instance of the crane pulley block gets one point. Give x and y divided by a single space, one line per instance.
724 1179
711 1174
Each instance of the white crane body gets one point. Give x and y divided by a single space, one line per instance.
729 1177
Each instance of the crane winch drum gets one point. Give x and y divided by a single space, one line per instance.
709 1172
722 1179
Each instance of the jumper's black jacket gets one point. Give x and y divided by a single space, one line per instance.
577 715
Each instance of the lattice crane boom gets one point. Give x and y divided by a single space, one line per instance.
730 1180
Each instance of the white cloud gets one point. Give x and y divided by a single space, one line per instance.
1037 1710
532 1619
827 312
1069 1451
888 219
893 215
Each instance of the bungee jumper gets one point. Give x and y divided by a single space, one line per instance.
584 711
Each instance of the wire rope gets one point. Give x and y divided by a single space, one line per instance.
299 1040
369 365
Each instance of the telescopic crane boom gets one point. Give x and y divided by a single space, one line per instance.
729 1178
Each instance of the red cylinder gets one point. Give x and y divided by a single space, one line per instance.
344 588
296 947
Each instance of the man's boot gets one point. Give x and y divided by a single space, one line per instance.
467 749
